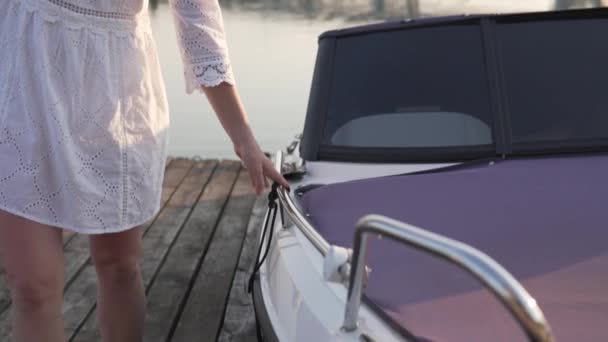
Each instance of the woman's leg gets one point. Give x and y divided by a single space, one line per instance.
120 295
32 255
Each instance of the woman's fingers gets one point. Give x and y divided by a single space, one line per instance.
260 169
257 176
252 169
253 180
259 179
273 174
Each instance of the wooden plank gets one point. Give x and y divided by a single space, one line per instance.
5 296
204 308
169 290
239 319
156 244
67 236
193 237
173 220
77 263
76 245
76 253
172 180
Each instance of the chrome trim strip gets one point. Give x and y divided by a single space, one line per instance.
296 217
503 285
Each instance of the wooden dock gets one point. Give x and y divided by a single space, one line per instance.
197 256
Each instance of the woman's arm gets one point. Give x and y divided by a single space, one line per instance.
227 105
200 33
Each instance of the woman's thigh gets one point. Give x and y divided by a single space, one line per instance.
32 255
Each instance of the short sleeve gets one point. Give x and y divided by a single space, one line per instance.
201 37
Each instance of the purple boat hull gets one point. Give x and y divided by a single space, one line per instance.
545 220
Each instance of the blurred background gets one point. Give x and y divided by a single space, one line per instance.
273 47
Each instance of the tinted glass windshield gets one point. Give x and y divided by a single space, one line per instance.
410 89
556 73
463 89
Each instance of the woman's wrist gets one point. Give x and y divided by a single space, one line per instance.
244 141
242 135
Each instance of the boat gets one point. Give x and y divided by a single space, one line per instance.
450 184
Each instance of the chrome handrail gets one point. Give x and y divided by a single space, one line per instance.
296 217
502 284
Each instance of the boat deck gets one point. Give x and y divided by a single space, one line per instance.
197 256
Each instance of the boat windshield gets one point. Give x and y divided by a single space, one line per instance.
442 91
555 77
410 89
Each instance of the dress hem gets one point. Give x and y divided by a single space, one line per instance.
80 230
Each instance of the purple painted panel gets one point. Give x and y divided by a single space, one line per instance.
545 220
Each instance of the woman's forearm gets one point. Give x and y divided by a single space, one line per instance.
227 105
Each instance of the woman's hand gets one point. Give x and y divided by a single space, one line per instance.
259 166
227 105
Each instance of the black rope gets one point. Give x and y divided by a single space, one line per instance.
272 211
274 217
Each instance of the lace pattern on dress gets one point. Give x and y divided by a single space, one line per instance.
76 17
91 12
200 31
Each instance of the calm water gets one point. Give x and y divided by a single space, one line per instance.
273 46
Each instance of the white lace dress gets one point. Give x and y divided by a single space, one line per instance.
83 110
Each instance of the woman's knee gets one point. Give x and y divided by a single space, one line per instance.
117 268
34 290
32 255
116 256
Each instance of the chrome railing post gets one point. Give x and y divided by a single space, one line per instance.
355 286
502 284
296 217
